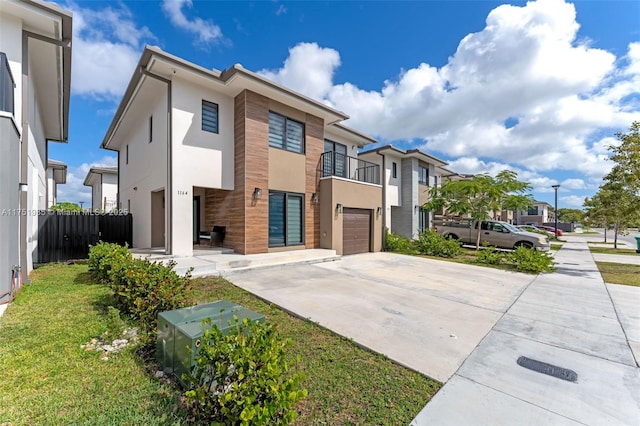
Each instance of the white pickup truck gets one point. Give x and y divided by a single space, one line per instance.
494 233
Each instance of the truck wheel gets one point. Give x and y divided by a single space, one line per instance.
451 237
525 244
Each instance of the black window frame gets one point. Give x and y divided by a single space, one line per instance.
423 220
394 170
286 242
7 86
127 154
423 179
285 145
205 126
533 211
150 128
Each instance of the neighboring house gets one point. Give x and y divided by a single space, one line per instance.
407 177
104 188
199 148
35 77
539 214
56 175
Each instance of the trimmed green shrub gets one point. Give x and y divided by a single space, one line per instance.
398 244
432 244
489 255
115 325
531 260
241 378
106 256
142 289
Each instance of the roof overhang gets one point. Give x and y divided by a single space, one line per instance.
230 82
59 170
348 134
95 174
412 153
48 28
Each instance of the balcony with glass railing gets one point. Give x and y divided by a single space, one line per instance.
351 168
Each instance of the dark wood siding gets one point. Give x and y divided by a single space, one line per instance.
356 231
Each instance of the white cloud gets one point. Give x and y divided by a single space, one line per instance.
281 10
205 30
74 191
523 92
573 184
308 69
572 201
106 47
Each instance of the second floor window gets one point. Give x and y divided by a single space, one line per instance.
7 85
394 170
533 211
423 176
285 133
209 117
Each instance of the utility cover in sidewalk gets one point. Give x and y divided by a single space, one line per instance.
548 369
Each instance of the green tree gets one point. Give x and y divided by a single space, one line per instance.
481 195
618 199
570 215
66 206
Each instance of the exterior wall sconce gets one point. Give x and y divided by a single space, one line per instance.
135 188
338 208
314 198
379 211
257 194
22 187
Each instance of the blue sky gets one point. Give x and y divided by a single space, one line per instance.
537 87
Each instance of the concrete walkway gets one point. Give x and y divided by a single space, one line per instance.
216 261
567 319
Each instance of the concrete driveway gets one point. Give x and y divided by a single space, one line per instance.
426 314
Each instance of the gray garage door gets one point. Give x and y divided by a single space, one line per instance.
356 231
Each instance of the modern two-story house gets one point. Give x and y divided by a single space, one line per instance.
407 177
104 188
539 214
56 175
271 168
35 76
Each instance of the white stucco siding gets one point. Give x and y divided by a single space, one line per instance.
146 168
11 45
393 183
109 189
96 196
200 158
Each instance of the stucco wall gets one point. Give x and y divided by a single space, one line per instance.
147 167
350 194
9 201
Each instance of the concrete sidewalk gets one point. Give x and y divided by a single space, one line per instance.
566 319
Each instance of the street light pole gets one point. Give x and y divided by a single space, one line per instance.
555 187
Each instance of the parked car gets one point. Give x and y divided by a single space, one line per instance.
551 229
533 228
494 233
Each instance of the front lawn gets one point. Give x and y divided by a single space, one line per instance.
48 378
618 273
611 250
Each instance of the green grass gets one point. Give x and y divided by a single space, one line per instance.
589 232
556 247
48 379
611 250
346 384
600 242
618 273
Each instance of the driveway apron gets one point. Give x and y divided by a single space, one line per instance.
425 314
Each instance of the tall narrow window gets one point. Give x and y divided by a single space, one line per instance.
423 176
126 157
151 129
286 219
209 117
128 206
285 133
394 170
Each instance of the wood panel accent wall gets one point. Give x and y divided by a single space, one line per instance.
250 219
314 146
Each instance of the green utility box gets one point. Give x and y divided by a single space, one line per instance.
180 330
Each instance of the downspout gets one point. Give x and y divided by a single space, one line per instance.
384 201
168 190
24 140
